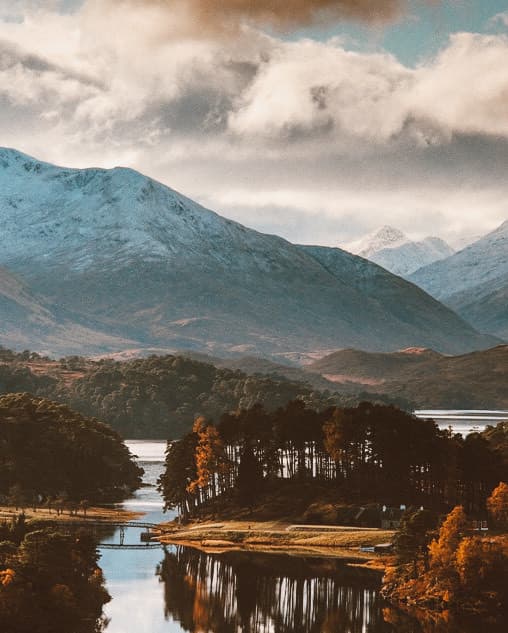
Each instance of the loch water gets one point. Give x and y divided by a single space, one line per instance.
176 589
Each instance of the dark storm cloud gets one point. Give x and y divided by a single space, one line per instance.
217 14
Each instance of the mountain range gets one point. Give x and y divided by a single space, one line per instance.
474 282
109 259
393 250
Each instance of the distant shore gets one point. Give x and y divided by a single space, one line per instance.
280 537
108 515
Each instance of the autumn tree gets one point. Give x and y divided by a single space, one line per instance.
443 550
336 438
209 458
482 565
497 505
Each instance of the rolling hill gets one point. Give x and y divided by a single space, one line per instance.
476 380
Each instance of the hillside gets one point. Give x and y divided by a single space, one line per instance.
431 380
474 282
30 321
146 264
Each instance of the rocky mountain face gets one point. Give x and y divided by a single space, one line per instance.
393 250
474 282
125 255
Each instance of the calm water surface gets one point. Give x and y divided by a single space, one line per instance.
181 589
464 421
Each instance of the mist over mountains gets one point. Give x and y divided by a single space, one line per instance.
126 258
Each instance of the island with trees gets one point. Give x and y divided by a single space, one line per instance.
358 466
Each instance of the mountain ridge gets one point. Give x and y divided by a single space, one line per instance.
149 265
474 282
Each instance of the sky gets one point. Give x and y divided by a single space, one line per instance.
318 120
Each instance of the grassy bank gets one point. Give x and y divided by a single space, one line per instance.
278 536
111 515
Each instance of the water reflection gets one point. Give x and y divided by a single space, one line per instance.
238 591
241 592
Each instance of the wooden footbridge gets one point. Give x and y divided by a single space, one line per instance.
145 537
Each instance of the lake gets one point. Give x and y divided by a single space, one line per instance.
464 421
180 589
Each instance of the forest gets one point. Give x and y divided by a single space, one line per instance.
369 453
156 397
50 454
49 579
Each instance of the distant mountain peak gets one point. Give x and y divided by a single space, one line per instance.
392 249
384 237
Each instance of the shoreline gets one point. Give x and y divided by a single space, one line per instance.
282 538
93 513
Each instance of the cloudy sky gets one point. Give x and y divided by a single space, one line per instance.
318 120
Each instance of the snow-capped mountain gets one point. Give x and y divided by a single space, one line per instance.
474 282
384 237
393 250
150 265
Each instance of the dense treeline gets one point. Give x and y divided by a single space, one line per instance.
49 452
49 580
368 453
156 397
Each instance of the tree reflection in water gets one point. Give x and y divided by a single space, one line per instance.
258 593
245 592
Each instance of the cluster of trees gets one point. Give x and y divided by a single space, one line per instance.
367 453
455 567
49 580
156 397
49 452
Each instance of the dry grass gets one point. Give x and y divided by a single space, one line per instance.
275 536
114 515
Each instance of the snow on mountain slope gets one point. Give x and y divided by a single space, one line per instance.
384 237
474 282
150 265
393 250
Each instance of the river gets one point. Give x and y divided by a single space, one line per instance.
181 589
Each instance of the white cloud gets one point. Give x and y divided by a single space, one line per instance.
255 122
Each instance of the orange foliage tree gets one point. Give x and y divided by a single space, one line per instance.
497 505
444 549
209 457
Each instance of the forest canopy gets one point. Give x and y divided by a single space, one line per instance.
157 397
48 451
